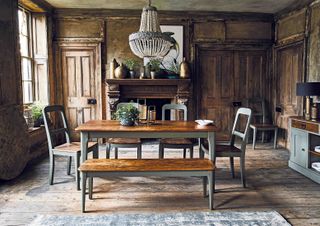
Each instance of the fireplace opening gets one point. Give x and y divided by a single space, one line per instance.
157 102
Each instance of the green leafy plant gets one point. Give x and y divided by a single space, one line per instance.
36 110
154 65
128 112
131 63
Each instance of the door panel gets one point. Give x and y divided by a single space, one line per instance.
80 83
228 76
217 88
289 70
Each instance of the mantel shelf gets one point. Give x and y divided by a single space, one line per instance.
152 82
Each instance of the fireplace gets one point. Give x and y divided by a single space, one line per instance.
155 91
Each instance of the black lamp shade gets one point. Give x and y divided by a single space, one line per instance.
308 89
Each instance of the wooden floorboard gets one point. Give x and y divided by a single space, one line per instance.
271 186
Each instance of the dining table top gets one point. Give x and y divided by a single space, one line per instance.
157 126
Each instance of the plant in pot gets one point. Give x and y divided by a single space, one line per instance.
131 64
36 111
127 115
154 65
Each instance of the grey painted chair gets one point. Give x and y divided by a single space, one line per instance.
68 149
175 143
264 126
116 143
232 151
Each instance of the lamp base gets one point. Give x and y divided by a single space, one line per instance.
307 115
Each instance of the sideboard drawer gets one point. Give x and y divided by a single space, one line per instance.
311 127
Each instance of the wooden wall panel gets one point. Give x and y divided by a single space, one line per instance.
248 30
314 44
289 70
79 28
291 26
209 31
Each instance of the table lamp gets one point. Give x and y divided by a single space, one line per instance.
308 89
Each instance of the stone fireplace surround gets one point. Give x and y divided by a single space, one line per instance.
176 90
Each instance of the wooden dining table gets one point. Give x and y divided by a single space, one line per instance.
159 129
201 167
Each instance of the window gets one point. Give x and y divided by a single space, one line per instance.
34 56
26 57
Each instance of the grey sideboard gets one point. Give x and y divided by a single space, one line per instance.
305 135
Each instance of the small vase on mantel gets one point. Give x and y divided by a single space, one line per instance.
184 69
120 72
113 65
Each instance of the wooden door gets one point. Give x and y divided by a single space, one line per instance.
81 85
289 71
228 77
216 88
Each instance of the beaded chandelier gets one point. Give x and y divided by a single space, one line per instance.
149 41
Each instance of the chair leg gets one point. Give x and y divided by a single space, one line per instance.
191 152
184 153
243 172
275 138
161 151
211 179
116 153
254 138
139 151
232 166
51 169
83 191
262 137
204 184
95 152
76 170
90 187
107 151
69 165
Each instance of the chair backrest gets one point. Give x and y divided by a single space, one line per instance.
243 135
261 112
50 131
123 104
175 107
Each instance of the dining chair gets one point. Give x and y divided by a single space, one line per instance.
116 143
230 150
175 143
264 125
68 149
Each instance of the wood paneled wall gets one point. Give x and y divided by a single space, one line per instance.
205 29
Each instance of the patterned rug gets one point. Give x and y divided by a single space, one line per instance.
215 218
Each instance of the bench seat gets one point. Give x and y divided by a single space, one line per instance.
148 167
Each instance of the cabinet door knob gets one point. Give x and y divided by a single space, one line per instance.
303 149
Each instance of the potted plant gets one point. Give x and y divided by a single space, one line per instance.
154 65
127 115
131 64
36 111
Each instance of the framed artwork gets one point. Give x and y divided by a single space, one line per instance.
168 60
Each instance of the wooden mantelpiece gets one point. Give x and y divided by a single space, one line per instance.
175 89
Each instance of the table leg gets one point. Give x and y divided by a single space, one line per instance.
84 146
211 141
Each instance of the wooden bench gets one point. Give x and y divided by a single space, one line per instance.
148 167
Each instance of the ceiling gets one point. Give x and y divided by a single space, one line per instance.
257 6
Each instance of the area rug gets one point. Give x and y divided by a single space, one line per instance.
225 218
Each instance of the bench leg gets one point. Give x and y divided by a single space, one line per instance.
275 138
161 151
116 153
211 179
204 184
83 191
108 149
